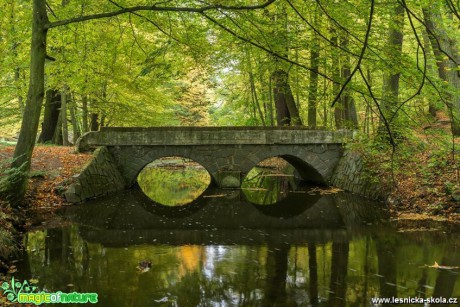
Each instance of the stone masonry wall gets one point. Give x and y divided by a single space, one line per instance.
100 177
351 175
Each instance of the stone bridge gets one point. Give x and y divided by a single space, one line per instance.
223 151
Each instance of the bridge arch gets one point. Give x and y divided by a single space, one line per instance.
306 170
173 181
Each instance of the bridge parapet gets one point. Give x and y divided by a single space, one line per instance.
151 136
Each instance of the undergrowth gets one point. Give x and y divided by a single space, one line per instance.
421 172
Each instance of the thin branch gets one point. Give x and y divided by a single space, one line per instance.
452 8
403 3
269 51
156 8
363 50
319 33
420 45
50 9
387 125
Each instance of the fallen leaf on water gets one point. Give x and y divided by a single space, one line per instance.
443 267
33 281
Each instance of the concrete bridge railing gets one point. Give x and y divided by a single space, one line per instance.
223 151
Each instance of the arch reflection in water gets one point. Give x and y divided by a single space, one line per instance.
173 181
269 182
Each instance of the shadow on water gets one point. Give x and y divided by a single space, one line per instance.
223 250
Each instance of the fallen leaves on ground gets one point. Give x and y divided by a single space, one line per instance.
51 171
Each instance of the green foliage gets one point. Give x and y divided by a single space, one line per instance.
166 68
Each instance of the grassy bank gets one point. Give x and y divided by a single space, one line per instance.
421 173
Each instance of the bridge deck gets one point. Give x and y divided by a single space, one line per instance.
151 136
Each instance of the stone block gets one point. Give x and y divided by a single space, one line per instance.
229 179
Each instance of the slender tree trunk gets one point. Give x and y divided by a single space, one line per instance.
313 89
84 113
448 70
17 74
254 97
73 118
432 107
57 137
391 80
17 70
345 111
65 126
338 110
271 102
31 115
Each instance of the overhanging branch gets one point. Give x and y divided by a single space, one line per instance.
156 8
361 56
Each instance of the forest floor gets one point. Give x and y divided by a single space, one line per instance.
422 173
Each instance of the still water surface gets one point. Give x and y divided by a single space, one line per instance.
252 247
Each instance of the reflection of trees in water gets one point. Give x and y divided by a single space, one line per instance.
386 248
339 268
446 279
275 282
313 274
265 186
59 256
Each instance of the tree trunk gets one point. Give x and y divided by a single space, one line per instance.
313 90
286 109
17 75
94 122
391 80
57 137
65 127
432 106
84 113
50 117
338 118
447 69
73 118
31 116
345 111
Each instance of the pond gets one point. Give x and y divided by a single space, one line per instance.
275 242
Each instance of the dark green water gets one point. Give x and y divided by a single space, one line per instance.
240 248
